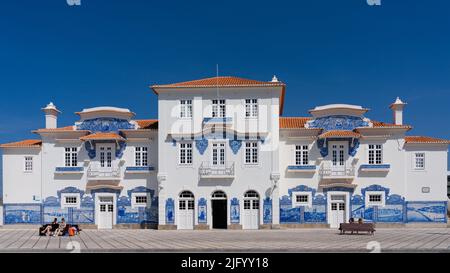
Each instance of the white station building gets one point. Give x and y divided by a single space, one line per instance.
221 155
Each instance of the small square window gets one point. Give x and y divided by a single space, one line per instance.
141 199
70 200
375 198
301 199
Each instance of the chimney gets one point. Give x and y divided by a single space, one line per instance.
397 109
51 116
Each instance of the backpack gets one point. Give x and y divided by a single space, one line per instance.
72 231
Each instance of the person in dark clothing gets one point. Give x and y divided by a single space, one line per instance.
52 227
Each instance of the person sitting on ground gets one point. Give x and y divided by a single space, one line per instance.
60 230
51 228
360 221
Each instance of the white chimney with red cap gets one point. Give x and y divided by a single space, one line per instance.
397 108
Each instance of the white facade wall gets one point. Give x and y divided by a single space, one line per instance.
20 187
247 177
434 175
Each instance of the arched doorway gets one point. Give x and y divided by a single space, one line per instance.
250 217
186 208
219 210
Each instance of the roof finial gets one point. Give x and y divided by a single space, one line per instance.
398 101
274 79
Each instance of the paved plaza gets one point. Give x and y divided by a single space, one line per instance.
292 240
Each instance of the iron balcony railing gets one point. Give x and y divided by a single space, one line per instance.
210 170
98 172
327 170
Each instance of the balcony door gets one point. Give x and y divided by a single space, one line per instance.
105 156
338 157
218 154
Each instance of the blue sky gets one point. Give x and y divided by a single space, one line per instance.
107 52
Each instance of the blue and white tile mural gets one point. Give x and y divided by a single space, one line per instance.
267 211
126 214
288 214
427 212
395 210
391 212
170 211
22 213
51 209
298 215
318 212
202 211
234 211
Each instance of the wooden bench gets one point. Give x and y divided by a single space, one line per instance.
356 227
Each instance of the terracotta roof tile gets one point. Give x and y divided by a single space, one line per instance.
379 124
293 122
61 129
219 81
30 143
147 124
425 140
340 133
102 136
226 81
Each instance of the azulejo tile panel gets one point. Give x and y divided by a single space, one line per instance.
22 213
267 213
427 212
51 208
234 211
395 210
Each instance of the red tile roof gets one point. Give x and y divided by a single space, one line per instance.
379 124
425 140
30 143
61 129
340 133
102 136
293 122
221 82
147 123
225 82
